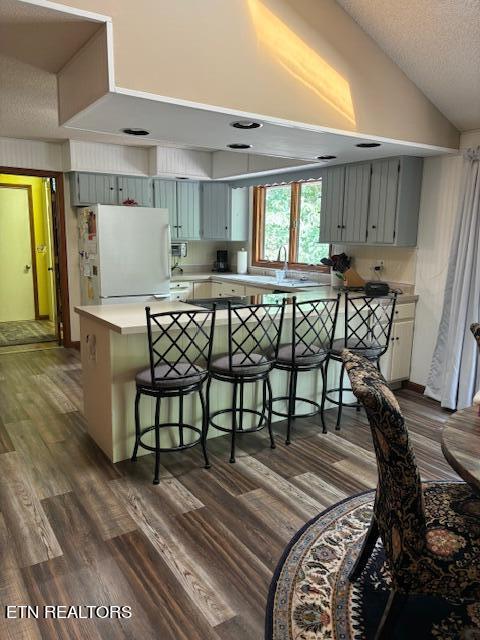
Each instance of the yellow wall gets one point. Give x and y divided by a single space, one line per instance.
39 217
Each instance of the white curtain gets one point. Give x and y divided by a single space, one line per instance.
453 376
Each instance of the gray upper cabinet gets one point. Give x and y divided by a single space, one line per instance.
383 201
331 213
165 197
93 188
395 201
188 210
355 203
373 203
240 209
182 199
137 189
215 207
225 212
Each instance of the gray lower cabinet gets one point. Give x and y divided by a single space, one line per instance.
225 212
93 188
374 203
137 189
182 199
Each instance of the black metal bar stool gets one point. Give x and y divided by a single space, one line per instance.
311 338
368 326
253 339
180 356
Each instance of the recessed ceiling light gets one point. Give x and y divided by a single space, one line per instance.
326 157
239 145
368 145
246 124
132 131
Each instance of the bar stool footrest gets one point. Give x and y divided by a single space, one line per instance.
310 414
170 425
261 425
352 405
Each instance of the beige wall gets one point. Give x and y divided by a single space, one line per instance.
399 262
300 60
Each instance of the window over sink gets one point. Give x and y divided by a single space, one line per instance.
288 215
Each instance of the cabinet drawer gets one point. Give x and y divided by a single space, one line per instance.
181 285
405 311
227 290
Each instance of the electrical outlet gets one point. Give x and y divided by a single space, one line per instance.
378 266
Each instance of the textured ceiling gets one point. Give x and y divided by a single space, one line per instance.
28 108
437 45
41 36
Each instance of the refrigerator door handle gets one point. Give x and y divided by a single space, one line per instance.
169 249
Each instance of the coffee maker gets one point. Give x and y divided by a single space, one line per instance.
221 263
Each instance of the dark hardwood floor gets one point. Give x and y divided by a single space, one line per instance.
193 557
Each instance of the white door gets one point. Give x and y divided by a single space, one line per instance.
17 300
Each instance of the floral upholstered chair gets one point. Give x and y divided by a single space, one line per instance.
475 329
430 533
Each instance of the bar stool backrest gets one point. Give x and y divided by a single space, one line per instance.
254 334
182 342
313 326
368 322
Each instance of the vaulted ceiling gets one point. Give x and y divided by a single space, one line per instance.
436 43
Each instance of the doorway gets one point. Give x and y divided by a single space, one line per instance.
30 280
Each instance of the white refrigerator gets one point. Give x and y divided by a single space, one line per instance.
124 254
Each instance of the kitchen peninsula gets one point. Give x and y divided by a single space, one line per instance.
114 348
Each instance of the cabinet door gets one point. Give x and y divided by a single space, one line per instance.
202 290
402 340
355 202
383 201
215 211
165 197
95 188
188 210
331 215
240 206
137 189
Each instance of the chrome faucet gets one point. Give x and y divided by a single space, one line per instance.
285 259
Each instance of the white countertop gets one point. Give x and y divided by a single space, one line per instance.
130 318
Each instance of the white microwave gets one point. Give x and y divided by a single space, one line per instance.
178 249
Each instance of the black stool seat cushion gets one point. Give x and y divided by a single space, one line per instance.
241 365
312 354
371 352
182 375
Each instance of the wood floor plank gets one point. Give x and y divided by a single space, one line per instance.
13 592
87 573
161 595
24 516
274 513
57 398
151 519
6 443
277 485
47 479
324 492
